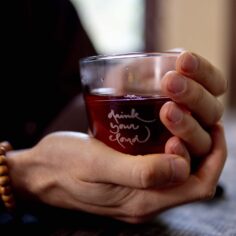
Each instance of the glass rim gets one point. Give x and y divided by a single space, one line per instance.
103 57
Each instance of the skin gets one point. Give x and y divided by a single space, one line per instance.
75 171
194 88
131 189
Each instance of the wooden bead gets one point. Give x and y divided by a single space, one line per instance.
6 193
3 170
2 151
6 146
2 160
4 180
5 190
8 198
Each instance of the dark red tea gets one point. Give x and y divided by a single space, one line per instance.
129 124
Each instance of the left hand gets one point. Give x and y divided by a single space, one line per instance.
193 87
75 171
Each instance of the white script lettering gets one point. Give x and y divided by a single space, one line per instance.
116 127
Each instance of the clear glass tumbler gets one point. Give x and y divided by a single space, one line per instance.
123 98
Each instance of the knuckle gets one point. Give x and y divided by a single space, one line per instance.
189 129
147 176
223 88
150 176
219 110
222 85
197 97
216 114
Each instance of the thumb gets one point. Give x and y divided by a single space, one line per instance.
153 170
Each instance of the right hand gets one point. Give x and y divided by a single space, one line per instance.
194 88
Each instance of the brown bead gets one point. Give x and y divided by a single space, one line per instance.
3 170
2 160
2 150
4 180
5 190
8 198
6 145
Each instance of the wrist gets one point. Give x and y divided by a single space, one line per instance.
18 164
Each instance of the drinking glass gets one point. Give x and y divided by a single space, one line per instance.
123 97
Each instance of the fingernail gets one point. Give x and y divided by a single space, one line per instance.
174 114
177 84
180 170
189 62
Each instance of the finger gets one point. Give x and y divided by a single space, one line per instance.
199 69
148 171
192 95
198 187
203 183
138 171
176 146
142 204
181 124
211 168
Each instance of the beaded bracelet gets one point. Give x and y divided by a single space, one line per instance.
6 193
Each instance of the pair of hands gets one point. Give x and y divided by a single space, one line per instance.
75 171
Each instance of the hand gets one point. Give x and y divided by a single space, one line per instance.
74 171
194 88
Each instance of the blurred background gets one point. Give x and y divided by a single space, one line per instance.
202 26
